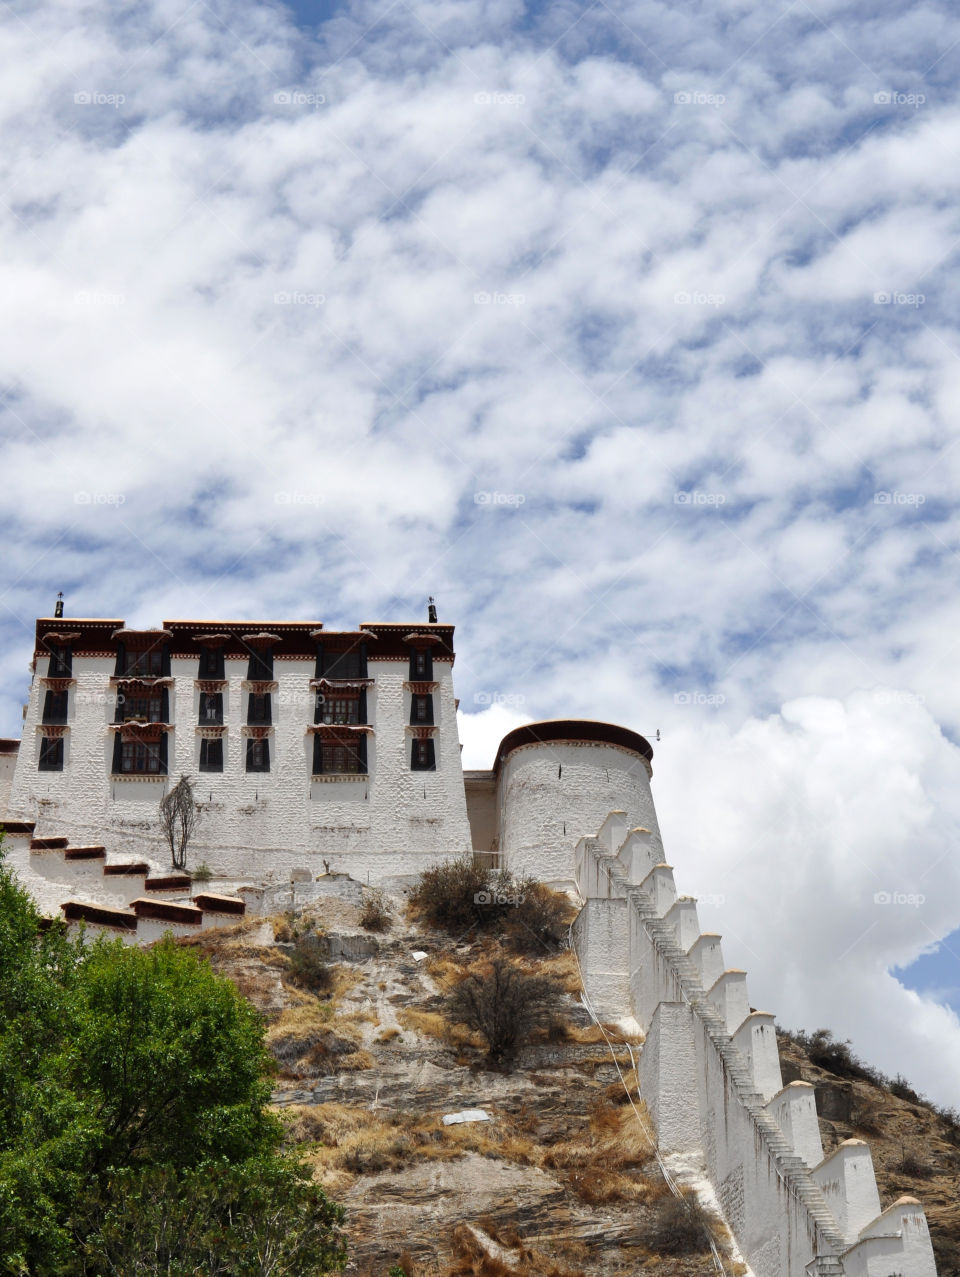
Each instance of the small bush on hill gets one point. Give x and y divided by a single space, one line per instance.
680 1226
902 1089
375 914
308 968
505 1004
459 895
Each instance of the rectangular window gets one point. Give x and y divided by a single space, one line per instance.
423 756
352 664
211 709
258 755
51 754
211 755
421 663
335 709
260 667
259 709
55 707
139 757
146 707
61 663
145 662
333 758
211 662
421 710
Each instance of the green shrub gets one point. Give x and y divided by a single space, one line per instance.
309 969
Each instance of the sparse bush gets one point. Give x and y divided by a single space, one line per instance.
902 1089
459 895
680 1226
539 920
827 1052
910 1164
375 914
505 1004
867 1118
308 968
202 873
452 895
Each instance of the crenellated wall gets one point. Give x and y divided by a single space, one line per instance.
709 1073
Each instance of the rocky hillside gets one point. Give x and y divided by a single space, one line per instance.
916 1148
560 1180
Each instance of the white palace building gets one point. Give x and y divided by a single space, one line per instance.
325 760
308 749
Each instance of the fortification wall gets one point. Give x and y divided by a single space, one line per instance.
553 794
709 1073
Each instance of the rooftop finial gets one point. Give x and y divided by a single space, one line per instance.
431 611
58 610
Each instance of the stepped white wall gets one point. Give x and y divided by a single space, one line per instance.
710 1075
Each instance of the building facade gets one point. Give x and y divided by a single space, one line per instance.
309 750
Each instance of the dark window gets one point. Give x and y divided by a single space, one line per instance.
336 759
260 667
51 754
352 664
55 707
258 755
423 756
146 707
259 710
146 662
138 757
421 663
421 710
211 662
211 755
211 709
61 663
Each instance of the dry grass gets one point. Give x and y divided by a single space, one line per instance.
388 1035
604 1168
434 1025
444 971
563 968
478 1249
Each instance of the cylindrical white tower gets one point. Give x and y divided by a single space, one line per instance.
557 781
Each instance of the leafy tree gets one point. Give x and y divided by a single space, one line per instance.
134 1130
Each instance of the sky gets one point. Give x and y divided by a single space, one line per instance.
628 331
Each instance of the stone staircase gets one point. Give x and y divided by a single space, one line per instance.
136 900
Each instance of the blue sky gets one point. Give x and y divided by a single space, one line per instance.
629 331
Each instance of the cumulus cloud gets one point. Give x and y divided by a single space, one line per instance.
627 332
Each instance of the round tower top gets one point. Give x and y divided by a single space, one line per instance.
554 731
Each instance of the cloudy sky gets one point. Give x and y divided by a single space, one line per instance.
627 330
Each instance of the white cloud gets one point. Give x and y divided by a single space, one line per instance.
144 354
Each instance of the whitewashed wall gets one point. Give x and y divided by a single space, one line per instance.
552 795
256 825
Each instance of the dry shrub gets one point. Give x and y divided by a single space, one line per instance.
914 1166
540 920
388 1035
505 1004
308 968
867 1118
450 895
375 914
680 1226
304 1042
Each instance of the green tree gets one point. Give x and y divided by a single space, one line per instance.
134 1130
